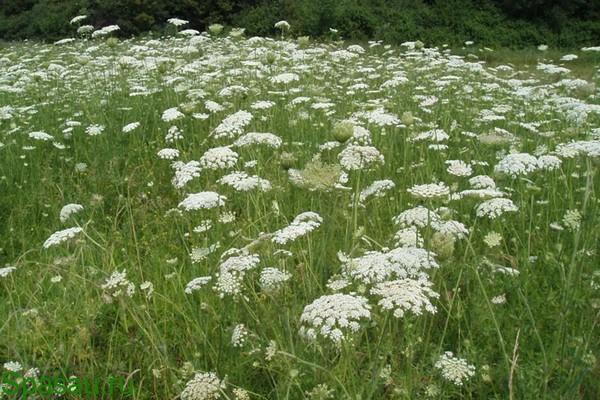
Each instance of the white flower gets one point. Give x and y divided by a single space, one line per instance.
177 21
493 208
202 200
517 164
285 78
105 31
376 189
492 239
196 284
401 262
262 105
359 157
242 182
130 127
204 386
590 148
256 138
453 369
200 253
453 228
168 154
404 295
549 162
434 135
482 182
43 136
331 315
459 168
213 106
185 172
148 288
233 125
4 272
572 220
232 272
429 190
301 225
283 25
78 18
69 210
239 335
62 236
408 237
500 299
204 226
13 366
94 130
171 114
418 216
271 279
117 285
218 158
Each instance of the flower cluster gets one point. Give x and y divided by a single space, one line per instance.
329 316
301 225
202 200
454 369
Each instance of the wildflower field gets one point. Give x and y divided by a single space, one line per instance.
210 216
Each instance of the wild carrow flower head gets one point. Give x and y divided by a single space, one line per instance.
218 158
517 164
196 284
68 210
494 208
406 295
272 279
429 190
203 386
62 236
401 262
360 157
376 189
185 172
257 138
117 285
418 216
242 182
301 225
331 315
171 114
202 200
233 125
454 369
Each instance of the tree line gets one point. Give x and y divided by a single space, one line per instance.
511 23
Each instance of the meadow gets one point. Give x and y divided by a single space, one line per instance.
211 216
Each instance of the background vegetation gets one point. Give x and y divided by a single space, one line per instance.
512 23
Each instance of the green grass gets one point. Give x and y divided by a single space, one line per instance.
542 343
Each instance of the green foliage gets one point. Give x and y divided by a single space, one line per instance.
512 23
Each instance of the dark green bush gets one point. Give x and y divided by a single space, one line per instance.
512 23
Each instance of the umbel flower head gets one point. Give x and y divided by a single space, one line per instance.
203 386
303 224
406 295
494 208
62 236
218 158
429 190
329 316
360 157
454 369
202 200
68 210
